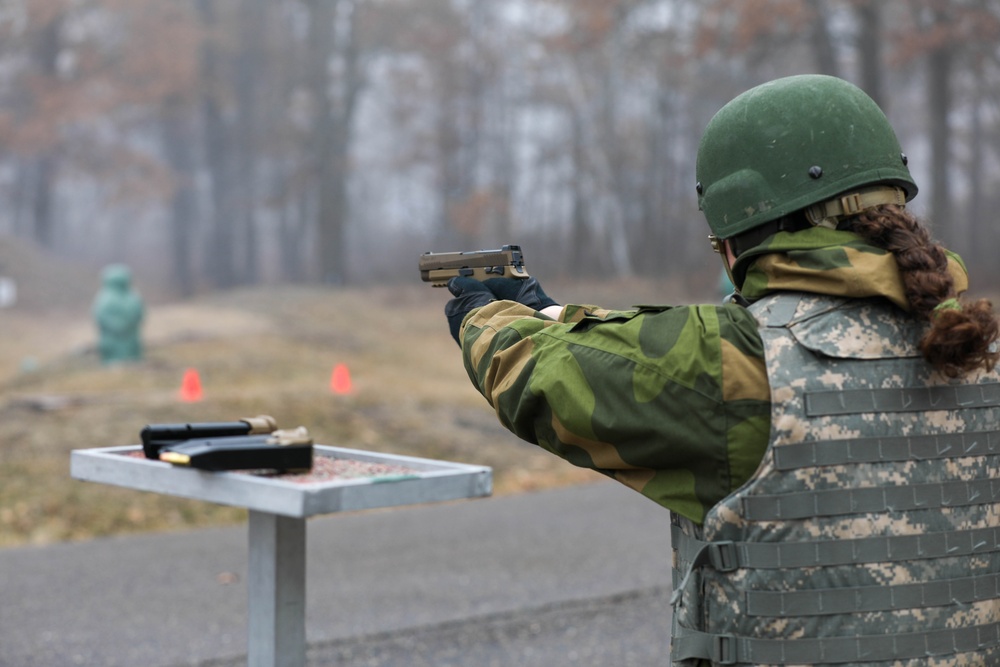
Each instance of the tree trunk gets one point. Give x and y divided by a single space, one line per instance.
41 204
939 107
579 241
178 138
822 43
221 256
869 17
607 216
46 52
249 70
333 36
966 226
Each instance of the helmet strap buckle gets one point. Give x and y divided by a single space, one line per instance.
830 212
852 203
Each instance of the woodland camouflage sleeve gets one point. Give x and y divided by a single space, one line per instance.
672 402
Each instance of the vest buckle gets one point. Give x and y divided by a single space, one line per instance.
723 650
723 556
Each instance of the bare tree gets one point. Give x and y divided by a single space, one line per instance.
178 139
823 49
45 46
940 59
220 259
868 15
335 81
567 122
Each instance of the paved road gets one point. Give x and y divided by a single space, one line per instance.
576 576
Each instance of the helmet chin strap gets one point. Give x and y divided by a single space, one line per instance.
725 252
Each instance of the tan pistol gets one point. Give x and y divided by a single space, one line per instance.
438 268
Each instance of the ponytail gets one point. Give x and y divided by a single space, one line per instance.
961 335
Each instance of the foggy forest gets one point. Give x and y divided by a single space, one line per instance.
223 143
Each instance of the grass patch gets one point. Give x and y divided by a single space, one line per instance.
257 352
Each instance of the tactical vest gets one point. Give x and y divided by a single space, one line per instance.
870 534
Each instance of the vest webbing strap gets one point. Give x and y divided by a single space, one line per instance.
726 556
733 650
912 399
834 502
822 602
887 449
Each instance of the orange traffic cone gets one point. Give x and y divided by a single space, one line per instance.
190 386
340 380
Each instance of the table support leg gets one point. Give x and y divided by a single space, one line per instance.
276 587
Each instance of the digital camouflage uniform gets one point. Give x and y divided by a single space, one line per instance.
870 534
676 403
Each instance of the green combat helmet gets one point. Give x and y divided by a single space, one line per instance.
809 142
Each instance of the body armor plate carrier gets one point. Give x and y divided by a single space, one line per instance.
870 534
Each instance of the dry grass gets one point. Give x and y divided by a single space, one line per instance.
269 352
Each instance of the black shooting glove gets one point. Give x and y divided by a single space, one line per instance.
525 291
469 294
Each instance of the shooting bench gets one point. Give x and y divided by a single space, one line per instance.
278 509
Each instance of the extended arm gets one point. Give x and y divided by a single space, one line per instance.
637 395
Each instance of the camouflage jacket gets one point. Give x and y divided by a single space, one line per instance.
673 402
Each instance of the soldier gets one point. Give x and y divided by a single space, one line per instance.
829 446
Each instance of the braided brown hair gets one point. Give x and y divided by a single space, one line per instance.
961 336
